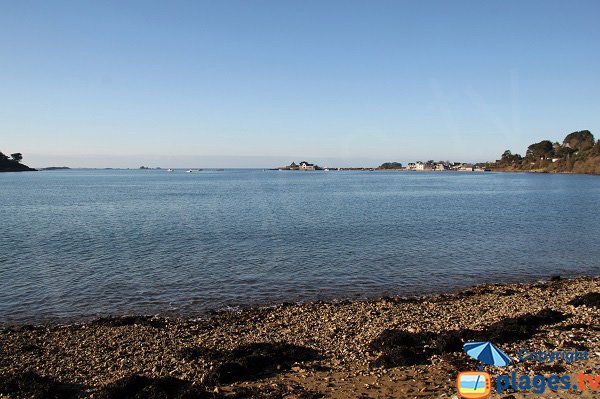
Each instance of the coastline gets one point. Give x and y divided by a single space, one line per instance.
500 170
553 172
384 347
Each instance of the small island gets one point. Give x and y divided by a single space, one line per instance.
301 166
13 163
56 168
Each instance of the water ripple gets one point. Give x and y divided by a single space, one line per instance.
86 243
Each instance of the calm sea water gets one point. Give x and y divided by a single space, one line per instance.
84 243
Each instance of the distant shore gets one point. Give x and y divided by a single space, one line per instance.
390 347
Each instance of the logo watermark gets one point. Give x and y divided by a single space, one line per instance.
478 384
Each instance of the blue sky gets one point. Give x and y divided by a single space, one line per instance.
260 83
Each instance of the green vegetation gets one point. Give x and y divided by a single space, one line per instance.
583 140
390 165
579 153
541 150
13 163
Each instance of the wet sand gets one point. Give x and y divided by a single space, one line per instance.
385 348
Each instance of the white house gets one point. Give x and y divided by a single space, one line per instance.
306 166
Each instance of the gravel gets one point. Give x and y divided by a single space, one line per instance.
390 347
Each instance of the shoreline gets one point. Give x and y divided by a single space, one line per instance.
386 347
537 171
330 299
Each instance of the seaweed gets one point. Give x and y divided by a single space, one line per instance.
403 348
30 384
142 387
130 321
591 299
253 361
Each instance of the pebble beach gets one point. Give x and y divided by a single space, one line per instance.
385 348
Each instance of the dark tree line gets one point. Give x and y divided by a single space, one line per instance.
576 147
390 165
16 157
12 163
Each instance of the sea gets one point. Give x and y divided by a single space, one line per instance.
78 244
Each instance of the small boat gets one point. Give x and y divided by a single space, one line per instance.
189 171
169 170
325 170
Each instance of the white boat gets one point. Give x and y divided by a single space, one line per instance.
326 170
189 171
169 170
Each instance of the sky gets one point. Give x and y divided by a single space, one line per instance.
264 83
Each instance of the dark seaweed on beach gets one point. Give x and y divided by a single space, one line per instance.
591 299
142 387
30 348
249 362
32 385
403 348
523 327
198 352
130 321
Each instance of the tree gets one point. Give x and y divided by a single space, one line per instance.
564 152
3 157
582 140
539 150
390 165
596 149
508 157
17 157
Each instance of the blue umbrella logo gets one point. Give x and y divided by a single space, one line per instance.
486 353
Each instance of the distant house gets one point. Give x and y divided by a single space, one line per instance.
306 166
441 166
419 166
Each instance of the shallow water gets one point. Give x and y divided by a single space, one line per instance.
96 242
